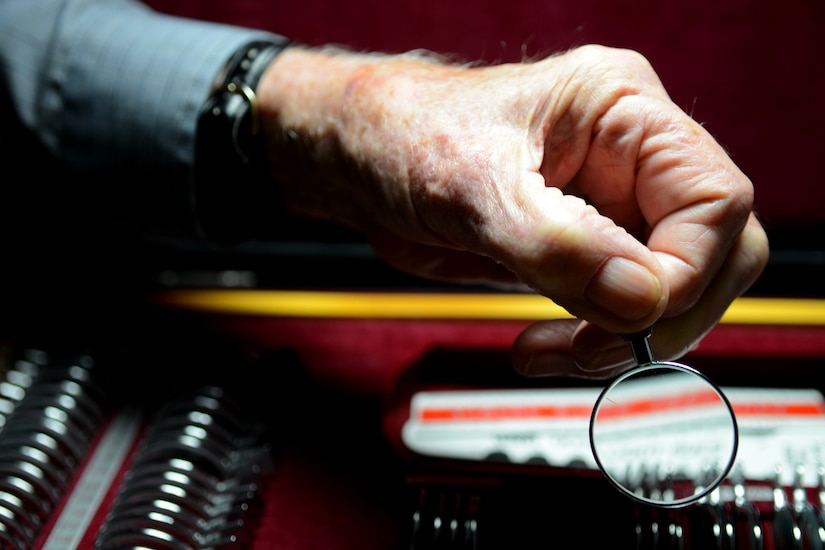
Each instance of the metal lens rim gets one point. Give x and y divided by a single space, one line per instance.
665 365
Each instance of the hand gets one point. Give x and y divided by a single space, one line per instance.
574 175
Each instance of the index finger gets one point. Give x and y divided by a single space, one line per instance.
696 202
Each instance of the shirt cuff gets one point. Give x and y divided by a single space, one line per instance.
125 84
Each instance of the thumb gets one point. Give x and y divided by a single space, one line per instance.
589 265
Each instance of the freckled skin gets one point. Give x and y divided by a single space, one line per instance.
574 176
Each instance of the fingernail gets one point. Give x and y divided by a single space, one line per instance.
548 364
625 288
594 359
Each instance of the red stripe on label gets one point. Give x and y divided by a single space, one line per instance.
613 410
501 413
779 409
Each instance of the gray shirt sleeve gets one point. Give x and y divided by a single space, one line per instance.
111 89
110 82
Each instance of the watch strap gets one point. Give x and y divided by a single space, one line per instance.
232 192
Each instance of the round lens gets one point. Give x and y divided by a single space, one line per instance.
664 434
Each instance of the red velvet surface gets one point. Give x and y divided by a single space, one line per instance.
341 486
315 503
369 357
751 71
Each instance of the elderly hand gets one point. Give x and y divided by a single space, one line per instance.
575 175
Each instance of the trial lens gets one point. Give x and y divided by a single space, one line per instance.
663 433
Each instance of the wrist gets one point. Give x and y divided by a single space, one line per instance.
333 122
303 97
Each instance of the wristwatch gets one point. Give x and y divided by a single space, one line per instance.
231 191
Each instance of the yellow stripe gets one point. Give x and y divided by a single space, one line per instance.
410 305
776 311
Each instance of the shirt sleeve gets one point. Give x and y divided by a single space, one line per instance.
111 87
108 82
